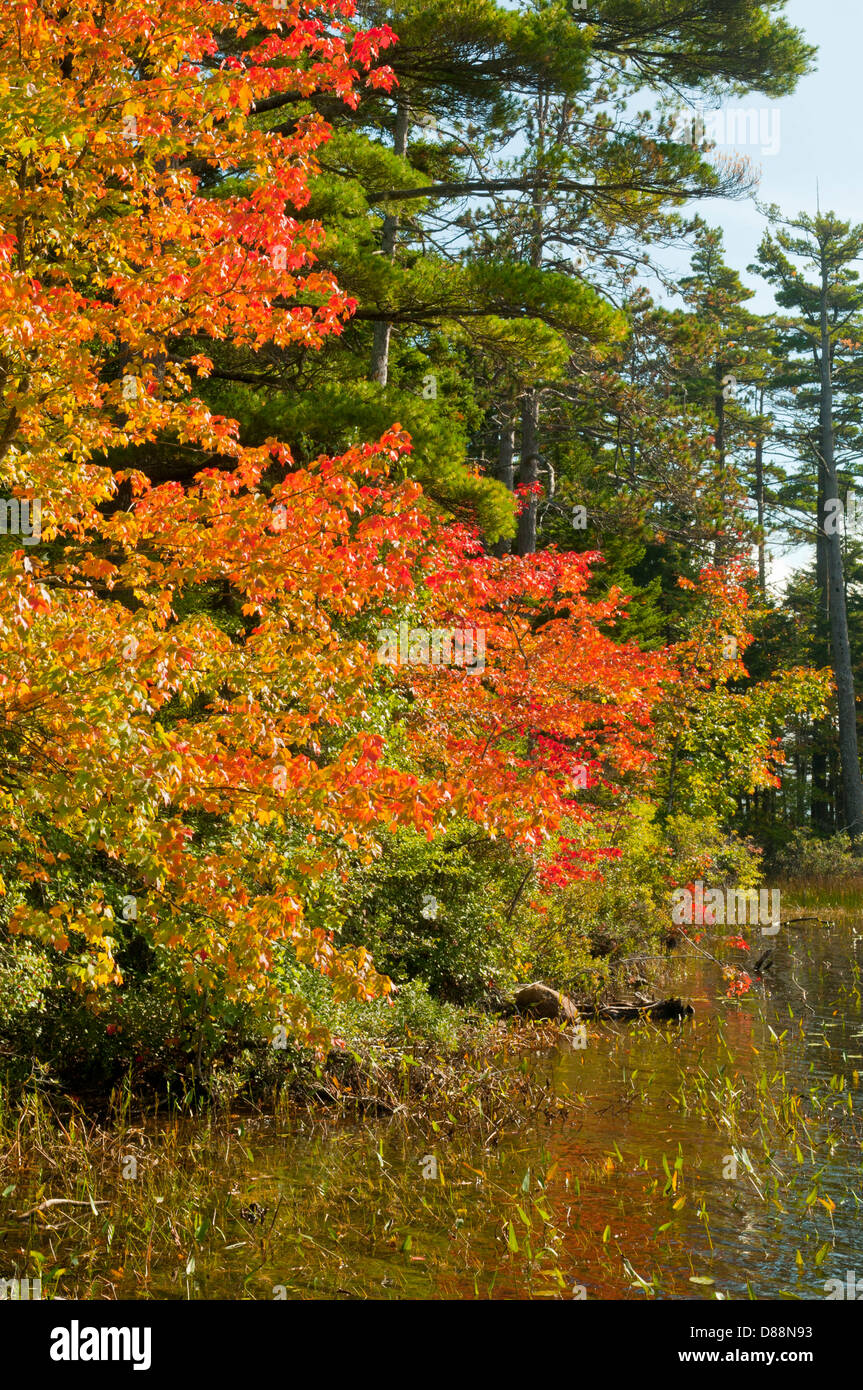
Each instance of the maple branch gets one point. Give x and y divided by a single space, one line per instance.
8 431
518 892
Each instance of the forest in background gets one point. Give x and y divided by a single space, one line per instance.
323 332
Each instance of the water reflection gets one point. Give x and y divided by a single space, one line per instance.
717 1158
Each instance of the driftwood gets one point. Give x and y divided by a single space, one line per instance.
810 917
537 1000
372 1104
56 1202
541 1001
657 1010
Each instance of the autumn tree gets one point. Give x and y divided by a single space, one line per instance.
198 738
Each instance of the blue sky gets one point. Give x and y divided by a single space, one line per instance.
820 140
821 137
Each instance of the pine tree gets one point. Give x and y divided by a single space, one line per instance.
827 306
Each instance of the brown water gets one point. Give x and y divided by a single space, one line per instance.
716 1158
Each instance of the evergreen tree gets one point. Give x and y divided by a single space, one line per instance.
827 308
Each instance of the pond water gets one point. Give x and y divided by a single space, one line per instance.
717 1158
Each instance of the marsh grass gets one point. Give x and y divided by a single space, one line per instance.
173 1205
555 1169
821 891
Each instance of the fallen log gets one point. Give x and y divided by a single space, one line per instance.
657 1010
810 917
537 1000
541 1001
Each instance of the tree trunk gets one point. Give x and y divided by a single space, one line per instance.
838 817
528 475
800 775
759 502
389 236
719 402
852 784
822 617
820 818
506 469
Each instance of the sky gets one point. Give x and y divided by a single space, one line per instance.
820 153
820 138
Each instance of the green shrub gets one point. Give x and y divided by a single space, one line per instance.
592 927
808 857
